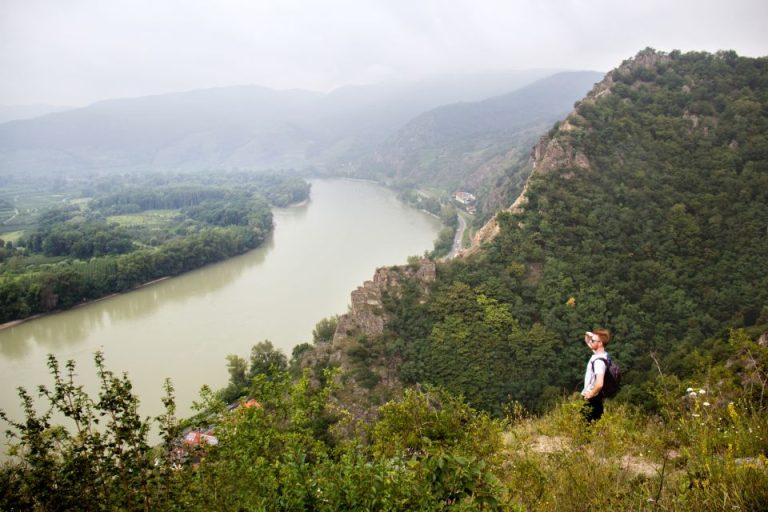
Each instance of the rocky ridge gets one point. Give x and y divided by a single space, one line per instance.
366 315
357 332
553 151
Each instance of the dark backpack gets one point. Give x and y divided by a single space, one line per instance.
612 378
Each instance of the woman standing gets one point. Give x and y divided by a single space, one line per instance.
595 374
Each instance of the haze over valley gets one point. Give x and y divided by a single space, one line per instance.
241 127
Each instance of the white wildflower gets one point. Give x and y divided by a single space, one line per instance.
702 392
692 393
705 404
689 390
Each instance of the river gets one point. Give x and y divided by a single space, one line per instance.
183 328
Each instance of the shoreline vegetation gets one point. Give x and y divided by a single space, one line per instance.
81 252
13 323
436 204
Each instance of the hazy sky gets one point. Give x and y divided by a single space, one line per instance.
74 52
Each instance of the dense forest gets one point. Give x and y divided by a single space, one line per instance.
134 233
645 214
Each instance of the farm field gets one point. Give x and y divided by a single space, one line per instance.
20 205
147 219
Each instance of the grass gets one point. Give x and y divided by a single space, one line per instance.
706 450
11 236
30 199
147 219
150 228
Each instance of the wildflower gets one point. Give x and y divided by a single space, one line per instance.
692 393
696 415
702 392
705 404
689 390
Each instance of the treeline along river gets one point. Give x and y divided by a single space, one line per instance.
183 328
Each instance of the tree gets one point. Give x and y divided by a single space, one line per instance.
102 461
325 329
267 360
237 368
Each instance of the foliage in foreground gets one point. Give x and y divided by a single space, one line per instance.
296 451
299 449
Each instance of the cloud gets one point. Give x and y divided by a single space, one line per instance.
79 51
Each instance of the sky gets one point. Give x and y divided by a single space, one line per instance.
76 52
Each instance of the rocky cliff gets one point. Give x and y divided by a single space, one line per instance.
357 349
366 316
554 151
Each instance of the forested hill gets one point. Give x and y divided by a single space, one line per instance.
646 214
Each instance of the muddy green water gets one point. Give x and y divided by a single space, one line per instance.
183 328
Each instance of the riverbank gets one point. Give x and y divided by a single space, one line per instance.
20 321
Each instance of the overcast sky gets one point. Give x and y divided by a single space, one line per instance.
75 52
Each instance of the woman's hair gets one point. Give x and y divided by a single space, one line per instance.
605 336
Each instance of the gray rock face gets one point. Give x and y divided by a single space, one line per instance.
366 314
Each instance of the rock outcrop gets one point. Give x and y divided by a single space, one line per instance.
366 316
554 152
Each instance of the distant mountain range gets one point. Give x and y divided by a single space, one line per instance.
18 112
479 146
245 127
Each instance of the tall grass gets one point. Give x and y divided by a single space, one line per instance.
705 450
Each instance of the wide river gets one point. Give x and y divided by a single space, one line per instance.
183 328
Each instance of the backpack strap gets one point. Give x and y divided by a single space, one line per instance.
606 360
